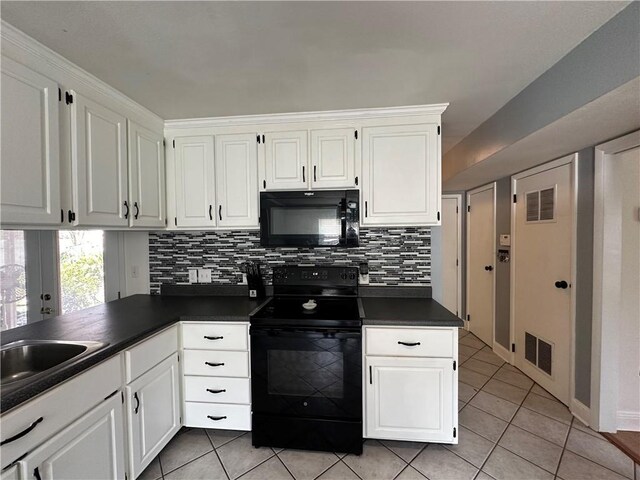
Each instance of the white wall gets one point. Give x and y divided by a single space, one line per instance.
126 264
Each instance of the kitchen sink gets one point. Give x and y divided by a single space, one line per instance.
25 360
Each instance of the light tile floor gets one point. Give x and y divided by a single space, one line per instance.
510 429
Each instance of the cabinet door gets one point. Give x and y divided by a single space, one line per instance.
146 177
99 164
194 179
10 473
333 159
400 175
153 413
30 180
286 159
237 180
90 448
410 399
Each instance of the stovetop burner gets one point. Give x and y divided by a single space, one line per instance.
312 297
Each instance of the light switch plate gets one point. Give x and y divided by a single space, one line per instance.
204 275
193 276
505 240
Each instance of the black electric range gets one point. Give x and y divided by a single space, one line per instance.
306 361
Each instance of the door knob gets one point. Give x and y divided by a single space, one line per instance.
47 310
562 284
488 268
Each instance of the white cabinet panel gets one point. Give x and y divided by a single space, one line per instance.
286 159
217 415
99 164
401 175
333 159
146 177
236 171
215 336
149 353
90 448
217 389
216 363
410 342
153 413
30 153
194 177
12 473
410 399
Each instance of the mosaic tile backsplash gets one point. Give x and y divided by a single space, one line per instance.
396 256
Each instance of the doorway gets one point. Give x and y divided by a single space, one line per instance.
450 253
543 251
481 255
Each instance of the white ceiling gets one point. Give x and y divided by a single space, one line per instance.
200 59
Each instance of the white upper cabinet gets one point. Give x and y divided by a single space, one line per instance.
401 175
236 172
333 158
30 180
286 160
146 177
194 182
99 164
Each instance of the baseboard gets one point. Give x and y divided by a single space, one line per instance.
581 412
502 352
629 421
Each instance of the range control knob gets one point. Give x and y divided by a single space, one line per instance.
343 276
352 276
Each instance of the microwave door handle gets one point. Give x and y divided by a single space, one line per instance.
343 218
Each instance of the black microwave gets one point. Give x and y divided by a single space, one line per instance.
328 218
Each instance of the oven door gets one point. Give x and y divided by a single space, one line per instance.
307 373
309 219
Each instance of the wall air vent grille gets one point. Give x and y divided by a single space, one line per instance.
541 205
538 352
547 203
533 207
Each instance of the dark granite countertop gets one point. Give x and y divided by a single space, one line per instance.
121 323
415 312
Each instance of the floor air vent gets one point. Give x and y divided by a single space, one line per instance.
538 352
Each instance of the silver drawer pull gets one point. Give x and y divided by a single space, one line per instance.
406 344
215 391
22 433
215 419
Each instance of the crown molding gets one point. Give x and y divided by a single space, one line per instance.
68 70
327 115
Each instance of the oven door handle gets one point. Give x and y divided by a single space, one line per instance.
296 332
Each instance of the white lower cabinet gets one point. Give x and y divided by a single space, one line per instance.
409 396
153 413
410 399
216 383
90 448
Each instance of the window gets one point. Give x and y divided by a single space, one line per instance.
81 254
46 273
13 285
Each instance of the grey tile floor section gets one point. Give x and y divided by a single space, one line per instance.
510 429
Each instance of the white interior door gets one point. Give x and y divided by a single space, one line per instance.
481 262
542 262
450 253
628 172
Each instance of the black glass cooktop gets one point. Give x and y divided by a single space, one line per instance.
290 311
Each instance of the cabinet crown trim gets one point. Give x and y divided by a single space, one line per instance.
327 115
14 36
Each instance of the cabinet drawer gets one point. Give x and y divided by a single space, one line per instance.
54 410
224 416
216 364
215 336
410 342
147 354
217 389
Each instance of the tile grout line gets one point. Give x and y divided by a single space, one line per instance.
564 449
283 464
326 469
347 465
224 469
408 463
500 438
